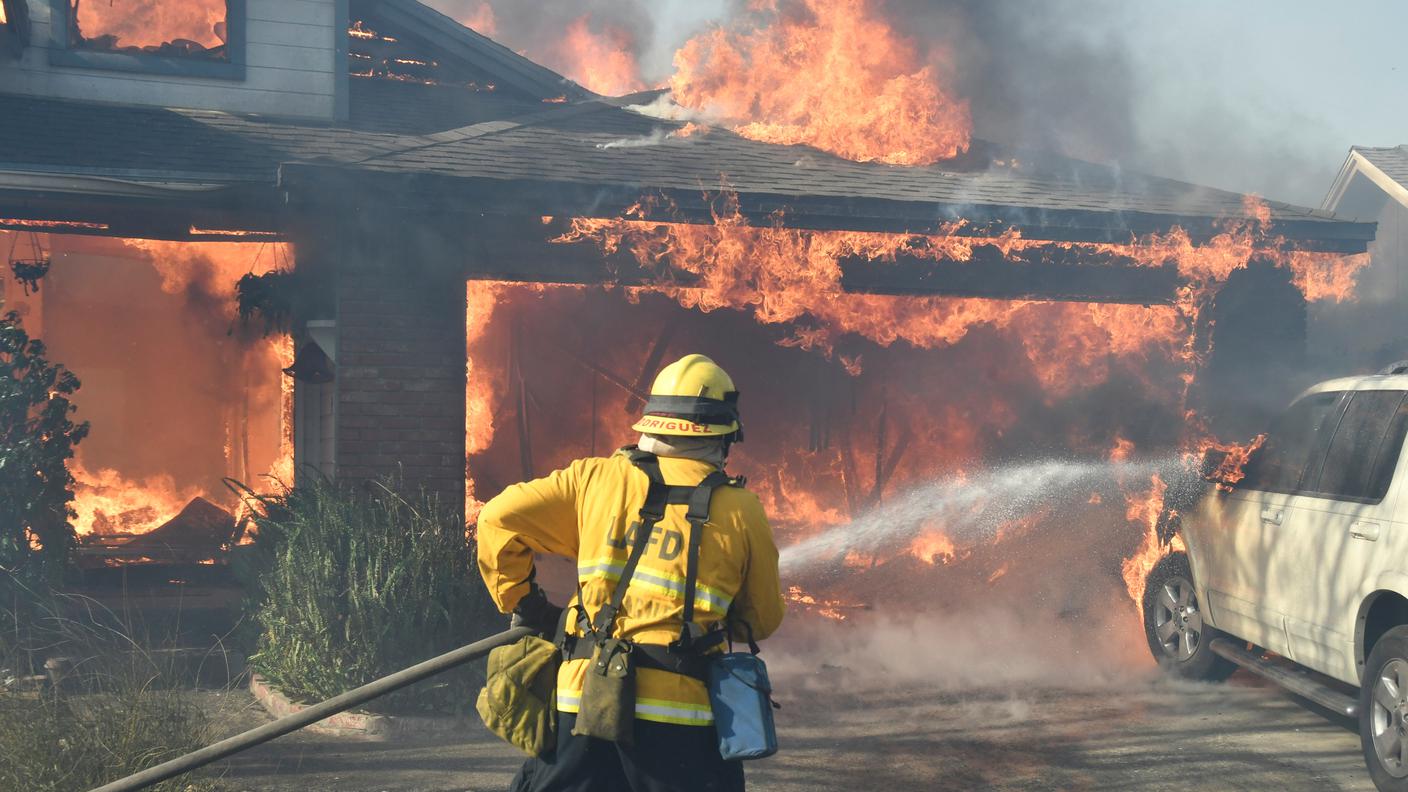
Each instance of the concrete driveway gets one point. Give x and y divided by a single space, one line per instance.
1143 733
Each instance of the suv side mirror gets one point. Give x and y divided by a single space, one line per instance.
1214 459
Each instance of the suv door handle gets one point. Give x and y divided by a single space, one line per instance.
1272 516
1367 531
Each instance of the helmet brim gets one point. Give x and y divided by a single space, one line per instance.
682 427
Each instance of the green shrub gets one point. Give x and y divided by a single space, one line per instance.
352 584
37 437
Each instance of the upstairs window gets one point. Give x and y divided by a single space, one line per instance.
199 38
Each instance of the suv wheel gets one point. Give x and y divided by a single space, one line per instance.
1383 711
1173 623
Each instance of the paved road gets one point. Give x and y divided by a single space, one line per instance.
1138 733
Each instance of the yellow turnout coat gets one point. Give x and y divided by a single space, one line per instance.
583 512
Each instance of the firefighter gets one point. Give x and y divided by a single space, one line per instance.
594 511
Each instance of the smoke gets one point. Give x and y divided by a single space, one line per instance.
597 43
933 646
537 26
1174 92
1027 595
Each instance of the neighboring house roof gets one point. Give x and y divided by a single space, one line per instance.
1368 178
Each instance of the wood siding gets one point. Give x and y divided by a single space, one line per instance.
291 67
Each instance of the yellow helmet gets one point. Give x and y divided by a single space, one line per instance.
692 397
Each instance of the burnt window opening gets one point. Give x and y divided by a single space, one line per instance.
377 53
169 28
198 38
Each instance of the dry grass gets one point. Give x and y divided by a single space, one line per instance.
116 712
73 742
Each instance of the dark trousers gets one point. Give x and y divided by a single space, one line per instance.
665 758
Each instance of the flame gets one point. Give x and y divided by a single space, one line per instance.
481 397
833 609
1122 449
1144 509
281 351
1326 278
827 73
601 60
109 500
1233 467
933 548
791 277
481 19
999 573
106 503
782 276
359 30
151 23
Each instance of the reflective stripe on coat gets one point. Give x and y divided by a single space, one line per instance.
588 512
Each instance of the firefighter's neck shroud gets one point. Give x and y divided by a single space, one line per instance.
607 708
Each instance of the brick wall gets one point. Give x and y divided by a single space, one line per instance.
401 378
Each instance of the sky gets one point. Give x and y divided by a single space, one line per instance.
1249 95
1296 82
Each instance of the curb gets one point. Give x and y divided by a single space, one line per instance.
358 724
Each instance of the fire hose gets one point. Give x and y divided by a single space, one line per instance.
291 723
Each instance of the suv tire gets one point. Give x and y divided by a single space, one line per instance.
1383 706
1173 623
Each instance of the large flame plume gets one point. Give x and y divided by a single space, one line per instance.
832 74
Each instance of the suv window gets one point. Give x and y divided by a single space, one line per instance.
1295 440
1364 451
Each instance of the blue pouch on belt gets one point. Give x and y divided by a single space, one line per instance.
741 697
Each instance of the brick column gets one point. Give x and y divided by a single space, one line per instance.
401 371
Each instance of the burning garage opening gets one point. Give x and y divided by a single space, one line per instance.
968 369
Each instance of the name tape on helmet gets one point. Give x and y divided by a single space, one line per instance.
652 423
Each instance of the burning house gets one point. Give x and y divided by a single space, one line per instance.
484 261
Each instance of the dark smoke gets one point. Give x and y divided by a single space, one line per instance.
1059 76
1066 77
1032 74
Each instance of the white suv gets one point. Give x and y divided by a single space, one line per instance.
1299 571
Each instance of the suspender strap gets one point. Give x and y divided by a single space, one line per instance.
698 515
651 512
682 655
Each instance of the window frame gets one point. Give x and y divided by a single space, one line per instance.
1319 454
64 54
1391 461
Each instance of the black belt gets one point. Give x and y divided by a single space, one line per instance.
652 656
